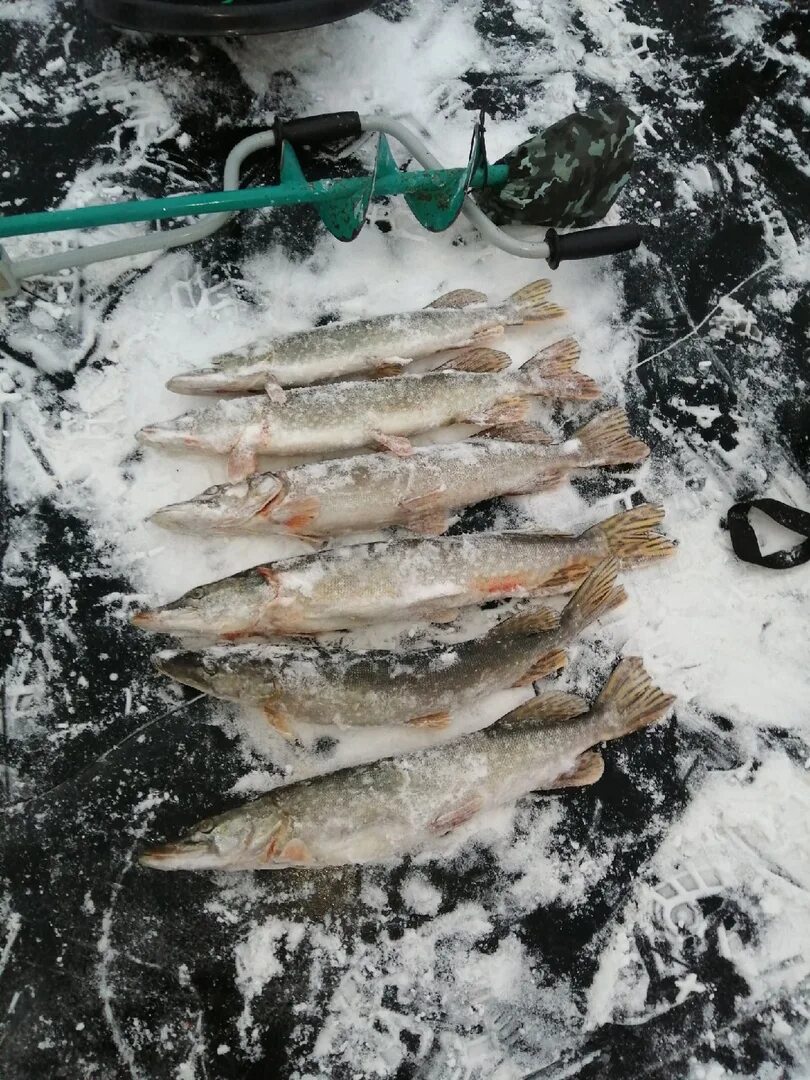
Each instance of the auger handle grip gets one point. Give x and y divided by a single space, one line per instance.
326 127
591 243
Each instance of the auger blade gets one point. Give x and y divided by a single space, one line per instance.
344 215
290 171
440 204
385 164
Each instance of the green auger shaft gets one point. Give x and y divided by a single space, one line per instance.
425 183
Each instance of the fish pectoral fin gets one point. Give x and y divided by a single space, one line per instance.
274 390
276 718
298 514
278 838
437 720
429 522
458 298
544 666
477 360
389 367
295 851
511 410
394 444
425 514
523 433
242 460
451 819
587 769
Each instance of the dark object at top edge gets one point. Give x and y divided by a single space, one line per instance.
196 17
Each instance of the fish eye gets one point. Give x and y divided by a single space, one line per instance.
206 826
196 594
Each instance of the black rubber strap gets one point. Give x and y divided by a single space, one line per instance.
311 130
744 539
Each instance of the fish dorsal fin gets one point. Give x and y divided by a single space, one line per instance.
478 360
552 708
458 298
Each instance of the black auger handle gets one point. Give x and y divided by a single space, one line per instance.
591 243
326 127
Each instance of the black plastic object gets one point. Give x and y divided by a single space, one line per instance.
311 130
744 539
591 243
191 18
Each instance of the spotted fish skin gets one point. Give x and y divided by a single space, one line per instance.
360 584
369 347
419 492
422 687
384 810
349 415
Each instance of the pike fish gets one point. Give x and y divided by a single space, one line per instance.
432 578
419 492
350 415
422 688
380 346
384 810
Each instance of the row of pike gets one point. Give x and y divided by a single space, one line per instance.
340 388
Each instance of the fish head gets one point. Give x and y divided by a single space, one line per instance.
219 671
231 373
215 429
224 506
239 838
229 608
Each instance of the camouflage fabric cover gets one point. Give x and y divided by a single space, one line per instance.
569 174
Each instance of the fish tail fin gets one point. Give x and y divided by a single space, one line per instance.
597 595
630 700
552 708
630 536
606 440
529 304
550 373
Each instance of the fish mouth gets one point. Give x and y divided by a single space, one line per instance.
180 855
200 381
219 380
184 668
162 435
167 620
